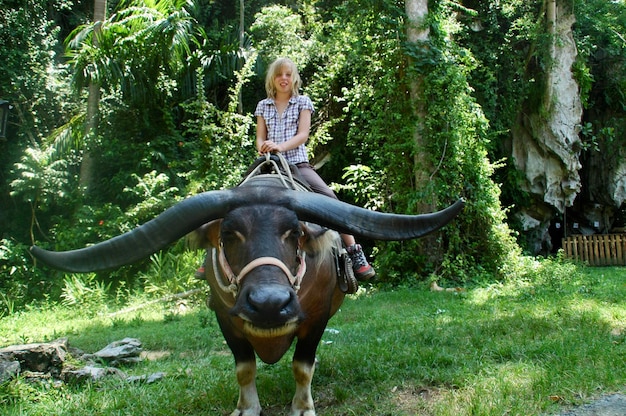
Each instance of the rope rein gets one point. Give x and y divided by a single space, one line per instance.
277 169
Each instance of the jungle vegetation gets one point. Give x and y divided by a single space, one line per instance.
117 115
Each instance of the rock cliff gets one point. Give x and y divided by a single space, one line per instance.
546 145
573 190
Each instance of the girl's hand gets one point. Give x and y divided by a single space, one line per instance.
269 146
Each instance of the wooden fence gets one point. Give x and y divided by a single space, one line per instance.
597 249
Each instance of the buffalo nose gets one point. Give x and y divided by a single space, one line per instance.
271 301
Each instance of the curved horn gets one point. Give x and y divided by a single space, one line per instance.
351 219
191 213
145 240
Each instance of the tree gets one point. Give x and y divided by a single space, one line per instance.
418 36
132 53
93 100
415 104
35 82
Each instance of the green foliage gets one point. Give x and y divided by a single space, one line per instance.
89 225
172 271
280 32
35 82
506 43
551 276
40 180
508 40
584 79
226 147
374 97
363 186
600 42
140 49
86 292
14 392
20 282
152 194
178 85
33 79
601 73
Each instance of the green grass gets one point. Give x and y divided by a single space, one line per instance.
530 347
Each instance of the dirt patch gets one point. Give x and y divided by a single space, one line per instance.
612 405
416 400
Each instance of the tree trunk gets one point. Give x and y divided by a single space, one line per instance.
86 177
418 33
551 29
241 45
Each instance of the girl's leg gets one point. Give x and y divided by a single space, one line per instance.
314 180
362 269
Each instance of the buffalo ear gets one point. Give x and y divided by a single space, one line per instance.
212 233
208 235
314 236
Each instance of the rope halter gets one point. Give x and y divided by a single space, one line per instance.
228 282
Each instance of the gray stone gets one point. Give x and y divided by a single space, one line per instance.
125 351
148 379
46 361
611 405
91 373
9 370
546 145
41 357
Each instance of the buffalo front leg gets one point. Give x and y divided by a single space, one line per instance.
248 403
302 403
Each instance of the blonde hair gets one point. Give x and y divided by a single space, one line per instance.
275 69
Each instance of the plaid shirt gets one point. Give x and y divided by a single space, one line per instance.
281 129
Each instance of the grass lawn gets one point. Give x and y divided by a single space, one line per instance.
518 348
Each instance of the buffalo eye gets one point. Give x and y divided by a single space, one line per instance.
291 235
232 236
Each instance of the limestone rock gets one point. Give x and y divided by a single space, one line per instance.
43 361
39 358
546 145
617 184
91 373
9 370
148 379
125 351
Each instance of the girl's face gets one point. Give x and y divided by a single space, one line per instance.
283 80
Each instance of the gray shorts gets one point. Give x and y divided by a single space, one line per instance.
314 180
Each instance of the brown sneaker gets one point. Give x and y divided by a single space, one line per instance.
362 269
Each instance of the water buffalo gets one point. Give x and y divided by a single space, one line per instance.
272 268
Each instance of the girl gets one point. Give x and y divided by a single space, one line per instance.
283 124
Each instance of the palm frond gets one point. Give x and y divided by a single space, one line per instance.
67 137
